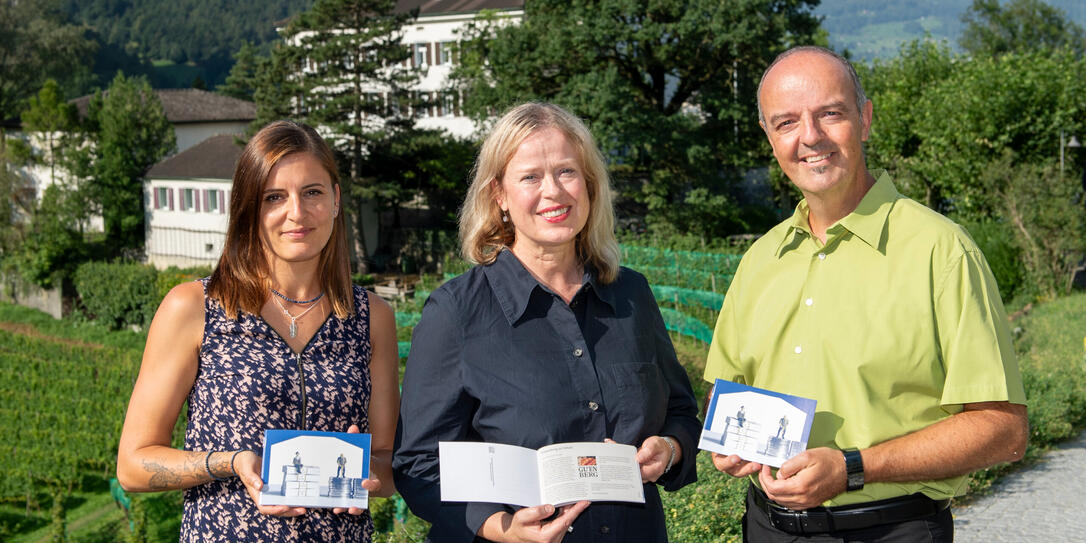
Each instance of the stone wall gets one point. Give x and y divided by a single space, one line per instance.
16 290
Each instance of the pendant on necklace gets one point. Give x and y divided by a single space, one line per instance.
293 329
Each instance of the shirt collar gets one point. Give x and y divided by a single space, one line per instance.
867 222
514 285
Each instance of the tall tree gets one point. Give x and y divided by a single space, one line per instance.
35 43
127 132
241 82
50 119
1018 26
667 86
352 79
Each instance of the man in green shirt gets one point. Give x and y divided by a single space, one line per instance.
881 310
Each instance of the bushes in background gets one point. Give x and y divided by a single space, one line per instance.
121 294
118 294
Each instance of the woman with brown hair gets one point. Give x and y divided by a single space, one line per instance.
276 338
547 340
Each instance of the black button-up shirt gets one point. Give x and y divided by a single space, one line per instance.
497 357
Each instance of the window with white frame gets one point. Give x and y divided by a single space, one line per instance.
188 200
420 54
162 198
212 201
446 52
448 104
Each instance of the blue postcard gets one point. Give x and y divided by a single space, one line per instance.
315 469
758 425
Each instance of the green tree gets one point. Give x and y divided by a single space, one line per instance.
992 29
348 60
50 119
35 43
1043 207
896 88
668 88
54 247
241 82
127 132
941 119
16 203
420 162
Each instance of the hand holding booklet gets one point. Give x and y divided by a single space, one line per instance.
758 425
557 474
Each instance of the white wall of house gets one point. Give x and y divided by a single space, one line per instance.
186 221
432 39
189 134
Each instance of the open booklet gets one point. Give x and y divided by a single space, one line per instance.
758 425
557 474
315 469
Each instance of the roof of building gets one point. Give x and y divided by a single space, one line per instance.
193 106
213 158
433 7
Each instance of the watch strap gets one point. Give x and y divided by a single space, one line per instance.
854 469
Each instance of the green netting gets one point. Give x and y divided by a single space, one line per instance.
686 278
685 296
407 319
677 321
634 256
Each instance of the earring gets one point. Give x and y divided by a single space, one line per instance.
335 212
505 217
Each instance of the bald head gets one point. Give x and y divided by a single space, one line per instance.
847 71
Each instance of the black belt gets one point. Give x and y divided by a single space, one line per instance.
821 520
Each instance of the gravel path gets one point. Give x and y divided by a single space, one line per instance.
1045 502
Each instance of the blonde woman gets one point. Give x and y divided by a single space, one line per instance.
546 340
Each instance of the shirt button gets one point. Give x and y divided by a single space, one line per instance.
808 301
593 406
605 529
822 256
577 352
799 349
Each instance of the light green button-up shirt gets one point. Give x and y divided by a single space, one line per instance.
891 326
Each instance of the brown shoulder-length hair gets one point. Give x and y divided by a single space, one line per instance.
241 281
483 234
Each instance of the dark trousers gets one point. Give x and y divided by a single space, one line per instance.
938 528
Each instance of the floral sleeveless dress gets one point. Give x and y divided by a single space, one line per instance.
250 380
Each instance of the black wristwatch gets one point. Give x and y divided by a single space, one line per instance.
854 469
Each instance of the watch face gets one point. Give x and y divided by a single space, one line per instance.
855 481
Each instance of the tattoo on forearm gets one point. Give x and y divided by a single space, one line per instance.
166 477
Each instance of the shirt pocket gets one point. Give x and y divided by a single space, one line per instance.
636 399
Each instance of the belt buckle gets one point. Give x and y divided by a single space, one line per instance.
787 521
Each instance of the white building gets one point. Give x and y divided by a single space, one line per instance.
186 195
185 198
432 38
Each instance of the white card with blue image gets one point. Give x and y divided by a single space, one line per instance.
315 469
756 424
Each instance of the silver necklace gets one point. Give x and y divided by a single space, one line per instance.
293 319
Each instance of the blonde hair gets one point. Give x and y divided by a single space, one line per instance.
242 279
483 234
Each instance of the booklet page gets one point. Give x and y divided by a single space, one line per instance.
572 472
488 472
